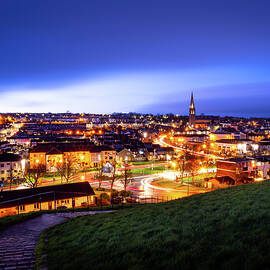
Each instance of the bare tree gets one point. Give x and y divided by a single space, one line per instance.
183 161
127 178
114 177
32 175
11 175
66 169
192 167
100 177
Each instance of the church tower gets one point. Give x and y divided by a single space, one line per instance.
192 112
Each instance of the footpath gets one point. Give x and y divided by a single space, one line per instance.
18 242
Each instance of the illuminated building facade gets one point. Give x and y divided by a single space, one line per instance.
83 156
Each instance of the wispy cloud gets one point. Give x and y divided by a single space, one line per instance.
134 91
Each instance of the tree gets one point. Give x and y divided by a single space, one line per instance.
192 167
183 161
100 177
66 168
11 175
32 175
114 176
127 178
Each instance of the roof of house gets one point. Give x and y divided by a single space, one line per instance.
233 141
225 179
236 160
263 158
44 194
8 157
58 148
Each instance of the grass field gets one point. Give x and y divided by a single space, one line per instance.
146 171
175 185
167 183
145 162
199 178
223 229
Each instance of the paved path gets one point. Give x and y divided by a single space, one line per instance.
18 242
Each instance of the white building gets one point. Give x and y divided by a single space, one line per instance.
11 167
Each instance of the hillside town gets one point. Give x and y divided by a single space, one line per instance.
200 152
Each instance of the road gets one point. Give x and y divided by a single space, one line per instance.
81 176
140 185
163 143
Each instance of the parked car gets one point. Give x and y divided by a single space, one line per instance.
132 199
118 200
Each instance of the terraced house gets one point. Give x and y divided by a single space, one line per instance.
22 201
82 156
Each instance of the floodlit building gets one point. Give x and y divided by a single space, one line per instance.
11 166
239 169
22 201
82 156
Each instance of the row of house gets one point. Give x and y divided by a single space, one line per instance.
23 201
84 155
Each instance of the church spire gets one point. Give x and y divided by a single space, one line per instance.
192 101
192 111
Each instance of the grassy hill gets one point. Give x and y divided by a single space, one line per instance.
224 229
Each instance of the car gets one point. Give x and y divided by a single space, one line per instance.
132 199
118 200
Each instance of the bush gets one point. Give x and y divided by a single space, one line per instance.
125 193
115 193
104 196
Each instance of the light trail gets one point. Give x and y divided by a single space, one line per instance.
147 184
160 141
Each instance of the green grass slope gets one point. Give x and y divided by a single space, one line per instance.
224 229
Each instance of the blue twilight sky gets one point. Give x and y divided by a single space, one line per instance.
103 56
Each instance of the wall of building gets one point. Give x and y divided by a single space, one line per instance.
7 167
79 202
37 158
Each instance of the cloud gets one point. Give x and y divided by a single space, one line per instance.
239 100
151 91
